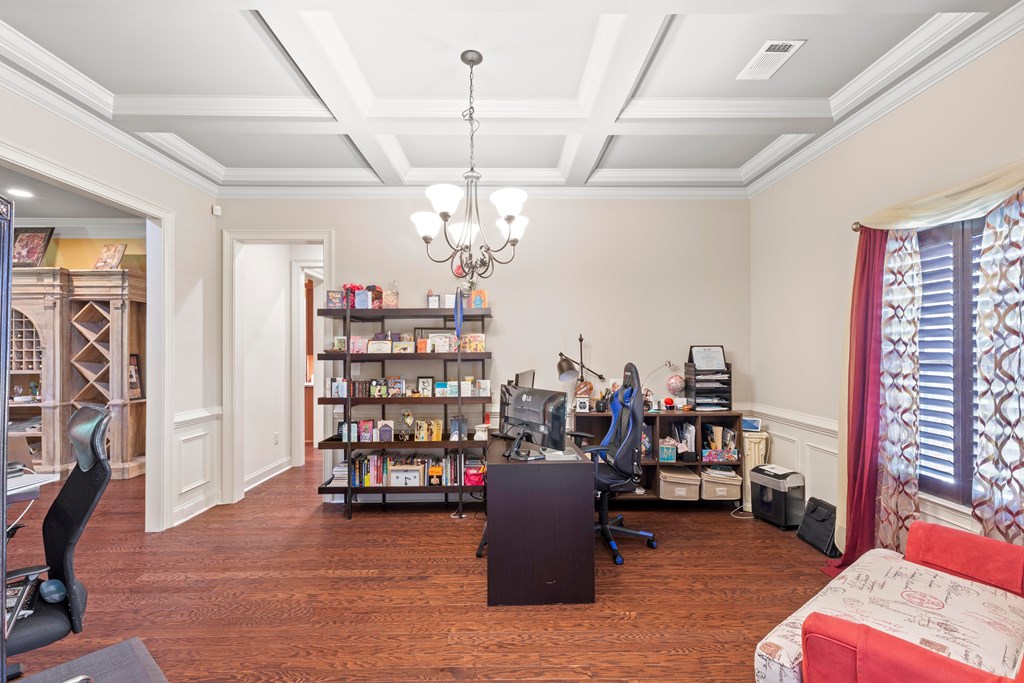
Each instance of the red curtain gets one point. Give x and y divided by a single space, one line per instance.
864 397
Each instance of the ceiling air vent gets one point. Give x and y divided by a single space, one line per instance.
768 59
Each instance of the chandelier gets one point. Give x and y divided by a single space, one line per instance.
471 255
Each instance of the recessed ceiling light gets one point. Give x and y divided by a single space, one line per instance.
15 192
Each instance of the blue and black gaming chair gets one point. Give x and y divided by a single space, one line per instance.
617 459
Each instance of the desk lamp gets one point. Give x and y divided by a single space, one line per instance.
567 367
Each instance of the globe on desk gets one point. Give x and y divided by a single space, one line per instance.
675 384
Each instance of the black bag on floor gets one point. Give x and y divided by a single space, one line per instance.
818 527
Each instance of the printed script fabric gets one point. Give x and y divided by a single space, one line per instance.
863 400
998 467
898 441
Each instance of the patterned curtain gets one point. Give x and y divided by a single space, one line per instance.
898 430
998 466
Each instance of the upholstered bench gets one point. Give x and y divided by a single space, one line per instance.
951 610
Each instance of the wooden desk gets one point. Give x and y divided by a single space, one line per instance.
540 530
26 486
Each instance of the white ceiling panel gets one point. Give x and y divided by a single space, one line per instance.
277 151
492 151
682 151
417 54
163 51
703 53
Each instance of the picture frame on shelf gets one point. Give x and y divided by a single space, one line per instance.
751 424
425 385
110 257
582 404
30 245
335 299
433 301
710 357
134 377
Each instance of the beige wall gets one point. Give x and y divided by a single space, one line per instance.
803 249
641 279
74 252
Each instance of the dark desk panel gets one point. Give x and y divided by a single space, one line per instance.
540 530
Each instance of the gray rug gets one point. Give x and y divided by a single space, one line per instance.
126 662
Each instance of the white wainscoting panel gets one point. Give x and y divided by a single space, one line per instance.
195 478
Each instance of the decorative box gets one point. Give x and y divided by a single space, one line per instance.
720 455
403 347
667 453
364 299
378 346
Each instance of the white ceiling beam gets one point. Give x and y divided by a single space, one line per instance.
496 177
53 71
496 109
301 176
912 50
671 109
664 177
636 40
193 157
776 151
720 127
316 46
236 107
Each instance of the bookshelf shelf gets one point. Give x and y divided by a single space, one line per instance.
341 455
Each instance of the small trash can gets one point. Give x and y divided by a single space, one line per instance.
777 495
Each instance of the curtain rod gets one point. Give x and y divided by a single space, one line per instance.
856 226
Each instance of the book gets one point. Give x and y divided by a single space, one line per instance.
478 298
335 298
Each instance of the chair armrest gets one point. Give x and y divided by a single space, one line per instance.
839 651
31 572
967 555
601 451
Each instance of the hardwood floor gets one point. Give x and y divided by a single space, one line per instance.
281 587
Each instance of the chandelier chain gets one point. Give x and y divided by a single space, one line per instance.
474 125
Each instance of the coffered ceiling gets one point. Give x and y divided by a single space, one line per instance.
314 98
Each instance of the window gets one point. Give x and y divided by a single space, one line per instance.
949 269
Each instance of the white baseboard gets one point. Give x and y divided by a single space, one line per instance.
268 472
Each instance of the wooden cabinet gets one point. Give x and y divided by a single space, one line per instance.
365 322
73 336
663 424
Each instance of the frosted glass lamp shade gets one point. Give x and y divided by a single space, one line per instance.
463 235
518 228
427 224
509 201
445 198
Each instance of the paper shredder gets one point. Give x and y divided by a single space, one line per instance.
777 495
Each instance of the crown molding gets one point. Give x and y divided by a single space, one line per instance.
238 107
776 150
652 108
92 228
1005 26
497 108
54 71
299 176
489 176
926 39
41 96
186 154
656 177
382 192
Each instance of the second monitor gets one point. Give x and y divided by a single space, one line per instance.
536 415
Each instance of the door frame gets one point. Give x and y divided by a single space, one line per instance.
300 270
233 462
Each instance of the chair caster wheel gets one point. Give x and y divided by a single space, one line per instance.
479 553
651 543
618 559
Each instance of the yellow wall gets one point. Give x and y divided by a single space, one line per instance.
82 253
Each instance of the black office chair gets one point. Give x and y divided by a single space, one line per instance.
617 459
62 527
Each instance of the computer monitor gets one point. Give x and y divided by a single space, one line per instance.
524 379
536 415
